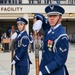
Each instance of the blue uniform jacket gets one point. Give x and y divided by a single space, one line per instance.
55 52
21 51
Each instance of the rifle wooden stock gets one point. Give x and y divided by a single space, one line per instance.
12 53
36 52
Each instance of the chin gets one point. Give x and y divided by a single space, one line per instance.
20 30
51 24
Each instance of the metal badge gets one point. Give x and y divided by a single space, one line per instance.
51 7
19 18
50 42
19 43
52 32
49 49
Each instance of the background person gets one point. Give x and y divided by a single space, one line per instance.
31 42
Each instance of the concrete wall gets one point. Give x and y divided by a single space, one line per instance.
70 26
31 8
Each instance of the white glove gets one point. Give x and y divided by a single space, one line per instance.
13 63
13 36
40 73
37 25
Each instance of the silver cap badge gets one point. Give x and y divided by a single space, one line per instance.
51 7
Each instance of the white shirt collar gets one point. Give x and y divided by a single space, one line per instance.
21 33
56 26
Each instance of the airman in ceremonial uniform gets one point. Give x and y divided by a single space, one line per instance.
56 45
21 57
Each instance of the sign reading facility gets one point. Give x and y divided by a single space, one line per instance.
11 9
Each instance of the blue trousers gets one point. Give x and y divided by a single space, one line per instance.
21 70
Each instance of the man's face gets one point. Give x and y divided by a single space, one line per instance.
53 19
21 26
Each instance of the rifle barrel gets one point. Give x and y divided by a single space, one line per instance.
36 52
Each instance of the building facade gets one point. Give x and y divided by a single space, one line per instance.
23 8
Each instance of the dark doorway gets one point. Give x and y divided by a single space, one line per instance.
5 25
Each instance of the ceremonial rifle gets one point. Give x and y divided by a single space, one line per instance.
36 46
12 52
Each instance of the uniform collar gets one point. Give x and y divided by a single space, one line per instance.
55 26
21 33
